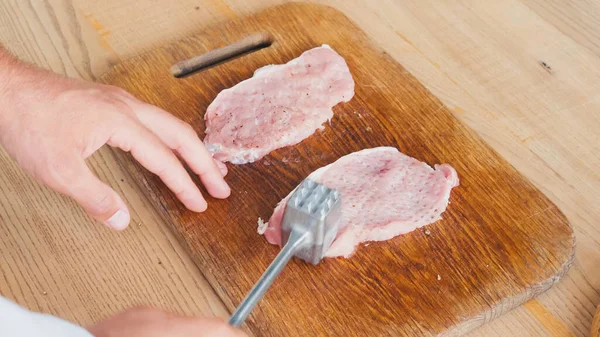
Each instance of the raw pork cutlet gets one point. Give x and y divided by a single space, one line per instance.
280 105
384 192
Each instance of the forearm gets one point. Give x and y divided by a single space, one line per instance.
8 65
16 74
17 80
6 58
8 69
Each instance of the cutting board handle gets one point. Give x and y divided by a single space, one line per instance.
244 46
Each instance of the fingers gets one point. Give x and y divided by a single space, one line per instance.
73 178
148 322
214 327
149 151
181 138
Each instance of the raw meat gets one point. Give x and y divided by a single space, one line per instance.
384 192
280 105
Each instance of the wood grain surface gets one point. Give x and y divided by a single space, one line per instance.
501 242
595 330
483 59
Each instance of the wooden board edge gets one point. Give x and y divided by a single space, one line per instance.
513 302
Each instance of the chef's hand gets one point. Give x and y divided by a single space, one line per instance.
156 323
50 124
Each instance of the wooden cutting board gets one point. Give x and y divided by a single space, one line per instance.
500 243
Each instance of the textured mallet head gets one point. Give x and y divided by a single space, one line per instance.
315 209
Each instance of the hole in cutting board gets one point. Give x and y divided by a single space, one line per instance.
215 57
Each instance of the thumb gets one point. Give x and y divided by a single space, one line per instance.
98 199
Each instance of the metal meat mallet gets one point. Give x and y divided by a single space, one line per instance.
309 226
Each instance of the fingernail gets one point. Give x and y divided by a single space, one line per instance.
225 186
222 167
197 204
119 220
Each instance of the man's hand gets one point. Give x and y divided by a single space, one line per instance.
156 323
50 124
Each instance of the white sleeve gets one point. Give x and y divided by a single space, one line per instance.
16 321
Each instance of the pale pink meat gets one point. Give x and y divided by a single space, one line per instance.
280 105
384 192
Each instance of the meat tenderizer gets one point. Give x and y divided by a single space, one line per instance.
309 226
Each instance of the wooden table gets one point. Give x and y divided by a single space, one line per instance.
524 74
